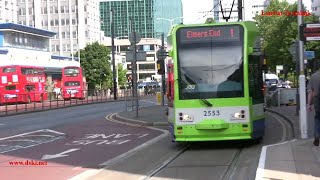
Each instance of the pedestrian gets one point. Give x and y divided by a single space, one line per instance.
314 99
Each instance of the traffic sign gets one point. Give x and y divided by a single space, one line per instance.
140 55
309 54
132 40
309 32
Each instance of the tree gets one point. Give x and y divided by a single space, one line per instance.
122 78
95 61
279 32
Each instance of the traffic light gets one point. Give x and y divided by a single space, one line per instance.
161 55
160 67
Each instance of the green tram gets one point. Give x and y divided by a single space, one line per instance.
215 85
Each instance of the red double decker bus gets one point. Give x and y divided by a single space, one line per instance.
22 84
74 85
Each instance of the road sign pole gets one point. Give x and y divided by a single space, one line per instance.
163 75
302 82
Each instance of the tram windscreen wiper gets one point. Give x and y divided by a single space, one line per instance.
193 92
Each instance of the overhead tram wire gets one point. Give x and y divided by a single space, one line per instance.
208 12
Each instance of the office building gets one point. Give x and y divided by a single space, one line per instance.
76 22
8 11
150 17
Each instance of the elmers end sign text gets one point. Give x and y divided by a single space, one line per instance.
210 34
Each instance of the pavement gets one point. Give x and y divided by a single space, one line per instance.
294 159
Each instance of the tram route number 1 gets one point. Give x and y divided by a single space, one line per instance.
103 139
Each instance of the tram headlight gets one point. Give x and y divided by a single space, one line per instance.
239 115
185 117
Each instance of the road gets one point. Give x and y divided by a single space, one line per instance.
229 160
65 141
78 140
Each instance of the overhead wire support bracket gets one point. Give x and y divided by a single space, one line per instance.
226 17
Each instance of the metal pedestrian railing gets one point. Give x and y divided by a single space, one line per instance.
31 102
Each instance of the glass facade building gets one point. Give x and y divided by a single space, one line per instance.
150 17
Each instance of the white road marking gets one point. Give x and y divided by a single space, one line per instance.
62 154
22 137
262 159
2 124
23 134
152 102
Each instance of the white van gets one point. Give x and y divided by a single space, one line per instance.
271 80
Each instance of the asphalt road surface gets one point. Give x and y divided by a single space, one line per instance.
62 143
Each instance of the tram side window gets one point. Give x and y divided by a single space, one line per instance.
30 88
255 78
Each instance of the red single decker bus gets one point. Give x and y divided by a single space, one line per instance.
22 84
74 85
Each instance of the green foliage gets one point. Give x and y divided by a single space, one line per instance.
95 61
122 78
279 32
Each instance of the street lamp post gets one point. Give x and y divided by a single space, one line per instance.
113 57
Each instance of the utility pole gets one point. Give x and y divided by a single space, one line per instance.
163 75
302 82
113 57
134 68
240 10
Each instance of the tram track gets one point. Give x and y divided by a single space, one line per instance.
233 165
226 175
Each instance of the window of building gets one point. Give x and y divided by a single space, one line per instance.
75 47
53 48
67 22
74 34
64 47
67 34
63 34
63 22
57 48
68 47
56 22
30 11
18 39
